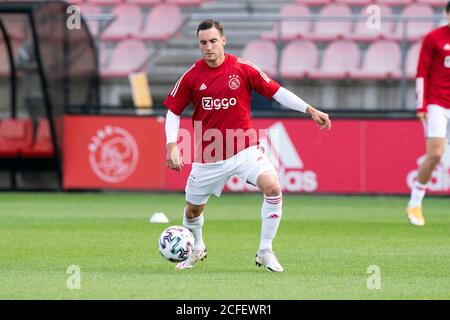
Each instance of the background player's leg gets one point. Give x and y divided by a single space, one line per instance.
193 220
271 210
435 150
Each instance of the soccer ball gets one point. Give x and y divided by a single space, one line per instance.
176 243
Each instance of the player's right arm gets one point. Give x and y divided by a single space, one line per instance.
423 69
174 158
178 99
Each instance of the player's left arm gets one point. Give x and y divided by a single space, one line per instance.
292 101
269 88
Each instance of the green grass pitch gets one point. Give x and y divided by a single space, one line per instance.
325 243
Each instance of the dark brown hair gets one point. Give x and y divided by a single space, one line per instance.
208 24
447 9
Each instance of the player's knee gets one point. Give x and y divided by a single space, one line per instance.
269 184
192 211
273 189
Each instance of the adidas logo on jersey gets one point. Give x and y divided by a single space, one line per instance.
202 87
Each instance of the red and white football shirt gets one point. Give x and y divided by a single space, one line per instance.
433 70
221 97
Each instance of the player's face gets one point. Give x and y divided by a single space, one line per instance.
211 44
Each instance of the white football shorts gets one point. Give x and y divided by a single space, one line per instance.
437 121
210 178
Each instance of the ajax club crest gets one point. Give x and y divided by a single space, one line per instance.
234 82
113 154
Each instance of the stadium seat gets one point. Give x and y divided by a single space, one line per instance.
162 22
106 2
129 56
412 59
381 61
4 60
415 30
77 2
433 3
16 26
395 3
355 2
146 3
363 33
291 29
262 53
16 135
42 146
314 2
91 9
298 59
127 24
340 59
329 30
186 3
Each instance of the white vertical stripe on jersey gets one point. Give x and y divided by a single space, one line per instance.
419 92
175 88
263 75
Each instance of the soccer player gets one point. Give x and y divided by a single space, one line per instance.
433 109
220 85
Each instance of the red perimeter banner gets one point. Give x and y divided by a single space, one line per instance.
356 156
113 152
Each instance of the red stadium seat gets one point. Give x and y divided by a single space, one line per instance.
43 146
298 59
127 24
415 30
394 2
433 3
144 2
314 2
4 60
355 2
106 2
381 61
363 33
412 60
262 53
129 56
291 29
162 22
186 3
16 26
329 30
91 9
16 135
340 59
4 57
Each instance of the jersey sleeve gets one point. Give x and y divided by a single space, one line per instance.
180 96
423 70
259 80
